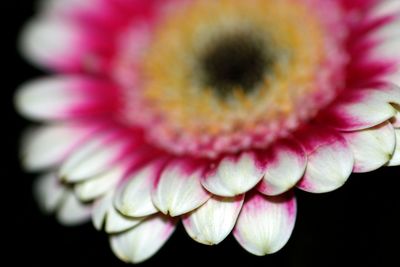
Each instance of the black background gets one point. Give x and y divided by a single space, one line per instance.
357 224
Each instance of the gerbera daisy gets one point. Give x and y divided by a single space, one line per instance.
208 112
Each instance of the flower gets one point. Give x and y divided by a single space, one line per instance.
208 112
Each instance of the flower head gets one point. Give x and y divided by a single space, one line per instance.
209 112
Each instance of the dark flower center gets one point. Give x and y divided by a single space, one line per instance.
235 61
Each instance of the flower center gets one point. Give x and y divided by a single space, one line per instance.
221 76
235 61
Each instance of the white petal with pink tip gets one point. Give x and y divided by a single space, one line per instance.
143 241
286 163
49 192
265 223
362 109
212 222
372 148
133 198
49 145
330 163
179 190
234 176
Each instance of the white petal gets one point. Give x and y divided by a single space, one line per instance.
385 8
212 222
105 213
393 76
364 108
388 49
47 98
372 148
143 241
286 164
395 160
100 184
179 189
56 8
92 158
234 176
388 31
72 211
396 119
49 192
265 223
51 42
47 146
116 222
134 197
100 210
330 162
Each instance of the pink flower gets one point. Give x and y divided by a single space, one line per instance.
211 112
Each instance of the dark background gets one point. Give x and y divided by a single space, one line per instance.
357 224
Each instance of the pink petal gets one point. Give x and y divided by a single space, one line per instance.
362 109
49 145
395 160
372 148
234 175
133 197
265 223
330 160
212 222
66 97
179 190
143 241
286 163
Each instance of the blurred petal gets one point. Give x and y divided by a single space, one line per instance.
49 192
100 184
65 97
73 212
49 145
